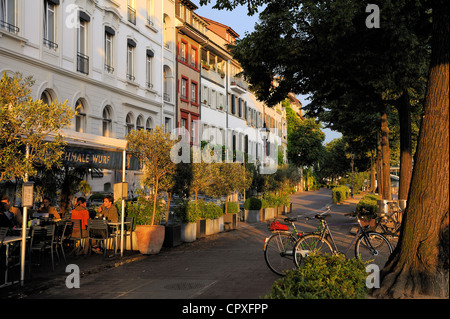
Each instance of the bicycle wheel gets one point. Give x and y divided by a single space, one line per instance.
278 253
373 249
310 244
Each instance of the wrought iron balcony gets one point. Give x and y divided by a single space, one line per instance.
82 63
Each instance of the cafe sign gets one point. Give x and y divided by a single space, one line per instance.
96 158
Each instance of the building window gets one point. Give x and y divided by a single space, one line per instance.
130 59
132 11
80 117
193 131
168 124
49 25
183 52
194 92
149 124
194 57
8 15
46 97
82 44
148 66
140 123
107 121
129 123
149 8
184 89
109 36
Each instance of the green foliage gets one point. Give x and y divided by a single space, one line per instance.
340 193
358 180
25 122
142 210
368 203
323 277
232 208
252 203
210 210
188 211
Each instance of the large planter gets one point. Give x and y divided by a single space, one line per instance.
279 210
172 237
221 224
201 228
288 208
150 238
252 216
209 229
269 213
188 232
229 222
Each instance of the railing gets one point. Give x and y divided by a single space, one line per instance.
109 68
166 97
82 63
131 77
9 27
51 45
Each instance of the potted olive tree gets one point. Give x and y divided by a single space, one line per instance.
153 149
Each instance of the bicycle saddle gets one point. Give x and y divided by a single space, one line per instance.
288 219
322 216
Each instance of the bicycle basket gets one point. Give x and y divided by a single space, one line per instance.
276 225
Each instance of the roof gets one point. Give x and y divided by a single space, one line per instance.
227 28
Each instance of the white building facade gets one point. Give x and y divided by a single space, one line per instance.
111 60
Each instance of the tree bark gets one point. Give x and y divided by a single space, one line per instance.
386 158
419 265
372 172
404 114
379 165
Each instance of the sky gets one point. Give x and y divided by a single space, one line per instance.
240 22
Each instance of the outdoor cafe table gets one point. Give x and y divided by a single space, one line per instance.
115 226
9 241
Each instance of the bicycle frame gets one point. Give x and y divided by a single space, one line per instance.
328 234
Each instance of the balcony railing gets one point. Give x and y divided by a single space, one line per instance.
166 97
109 68
130 77
9 27
82 63
50 44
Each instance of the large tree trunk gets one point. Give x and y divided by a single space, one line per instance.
420 264
379 165
386 158
404 114
372 172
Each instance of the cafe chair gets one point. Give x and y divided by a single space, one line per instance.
128 231
98 230
78 236
62 234
42 239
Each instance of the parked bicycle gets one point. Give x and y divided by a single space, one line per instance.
370 247
279 247
389 223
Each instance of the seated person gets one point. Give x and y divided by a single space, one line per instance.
108 209
5 218
12 212
80 212
50 210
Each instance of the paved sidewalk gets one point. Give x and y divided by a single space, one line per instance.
228 265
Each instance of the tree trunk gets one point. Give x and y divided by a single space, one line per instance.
372 172
380 183
404 114
155 199
386 158
420 264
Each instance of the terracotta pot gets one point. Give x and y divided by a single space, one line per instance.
150 238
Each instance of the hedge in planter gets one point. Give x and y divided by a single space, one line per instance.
253 203
340 193
323 277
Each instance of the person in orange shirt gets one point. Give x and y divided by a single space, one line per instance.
80 212
53 213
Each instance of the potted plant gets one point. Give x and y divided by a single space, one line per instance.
252 209
230 217
212 213
188 213
153 149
